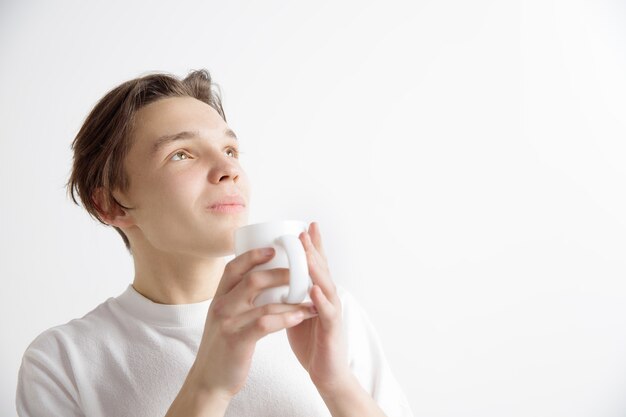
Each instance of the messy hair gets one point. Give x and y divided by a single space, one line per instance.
104 139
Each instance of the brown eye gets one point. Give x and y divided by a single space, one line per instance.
180 153
234 151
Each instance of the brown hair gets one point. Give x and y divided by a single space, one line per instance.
105 137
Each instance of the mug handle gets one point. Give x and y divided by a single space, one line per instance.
299 280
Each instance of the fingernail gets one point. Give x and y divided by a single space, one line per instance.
268 251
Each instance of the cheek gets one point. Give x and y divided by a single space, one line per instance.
177 187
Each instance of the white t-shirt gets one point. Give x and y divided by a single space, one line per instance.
130 356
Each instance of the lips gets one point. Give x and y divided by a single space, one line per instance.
234 200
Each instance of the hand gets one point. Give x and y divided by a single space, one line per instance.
234 324
319 343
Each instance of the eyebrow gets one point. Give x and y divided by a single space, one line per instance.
186 134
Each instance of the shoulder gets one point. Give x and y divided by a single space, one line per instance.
62 339
48 375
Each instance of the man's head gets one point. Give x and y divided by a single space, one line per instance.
131 171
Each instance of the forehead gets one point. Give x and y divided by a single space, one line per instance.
171 115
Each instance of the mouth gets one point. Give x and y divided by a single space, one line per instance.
227 208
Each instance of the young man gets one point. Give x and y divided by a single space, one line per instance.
156 160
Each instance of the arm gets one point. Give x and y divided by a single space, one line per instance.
350 399
193 401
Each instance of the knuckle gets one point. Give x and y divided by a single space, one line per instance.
267 309
263 324
255 280
218 308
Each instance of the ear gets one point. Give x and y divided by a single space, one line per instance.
113 215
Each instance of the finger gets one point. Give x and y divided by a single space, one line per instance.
245 319
271 318
240 265
240 299
318 269
316 238
253 283
314 247
310 248
328 312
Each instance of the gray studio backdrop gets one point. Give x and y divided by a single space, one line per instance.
465 161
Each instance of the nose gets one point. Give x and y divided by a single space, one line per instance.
226 168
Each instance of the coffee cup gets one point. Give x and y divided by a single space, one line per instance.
288 253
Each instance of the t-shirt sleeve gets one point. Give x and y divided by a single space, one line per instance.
368 361
45 385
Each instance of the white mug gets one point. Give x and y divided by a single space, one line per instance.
289 253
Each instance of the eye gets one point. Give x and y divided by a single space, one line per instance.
234 151
180 153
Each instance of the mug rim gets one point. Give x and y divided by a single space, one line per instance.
271 223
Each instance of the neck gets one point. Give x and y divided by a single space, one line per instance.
174 278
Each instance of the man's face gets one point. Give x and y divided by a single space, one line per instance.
173 185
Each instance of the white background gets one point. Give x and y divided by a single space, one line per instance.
465 161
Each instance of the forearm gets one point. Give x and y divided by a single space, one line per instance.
192 401
350 399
